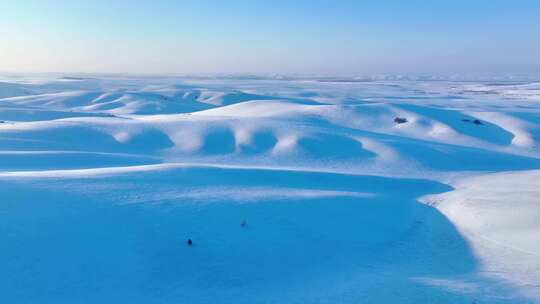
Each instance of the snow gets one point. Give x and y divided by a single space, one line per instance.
498 214
104 178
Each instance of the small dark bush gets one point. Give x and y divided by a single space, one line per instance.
400 120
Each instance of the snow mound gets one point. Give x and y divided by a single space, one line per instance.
498 214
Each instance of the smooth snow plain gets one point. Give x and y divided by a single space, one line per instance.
104 178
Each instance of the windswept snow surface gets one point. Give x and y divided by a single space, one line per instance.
103 179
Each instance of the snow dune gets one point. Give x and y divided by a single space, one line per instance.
103 180
498 214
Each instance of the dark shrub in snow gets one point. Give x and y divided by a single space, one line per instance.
477 122
400 120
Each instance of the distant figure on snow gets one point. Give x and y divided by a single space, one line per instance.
189 242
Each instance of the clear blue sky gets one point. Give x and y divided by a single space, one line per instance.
304 37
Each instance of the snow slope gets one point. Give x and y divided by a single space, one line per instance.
498 214
103 180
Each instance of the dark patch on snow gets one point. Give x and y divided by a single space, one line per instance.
400 120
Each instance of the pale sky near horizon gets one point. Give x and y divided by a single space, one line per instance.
299 37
